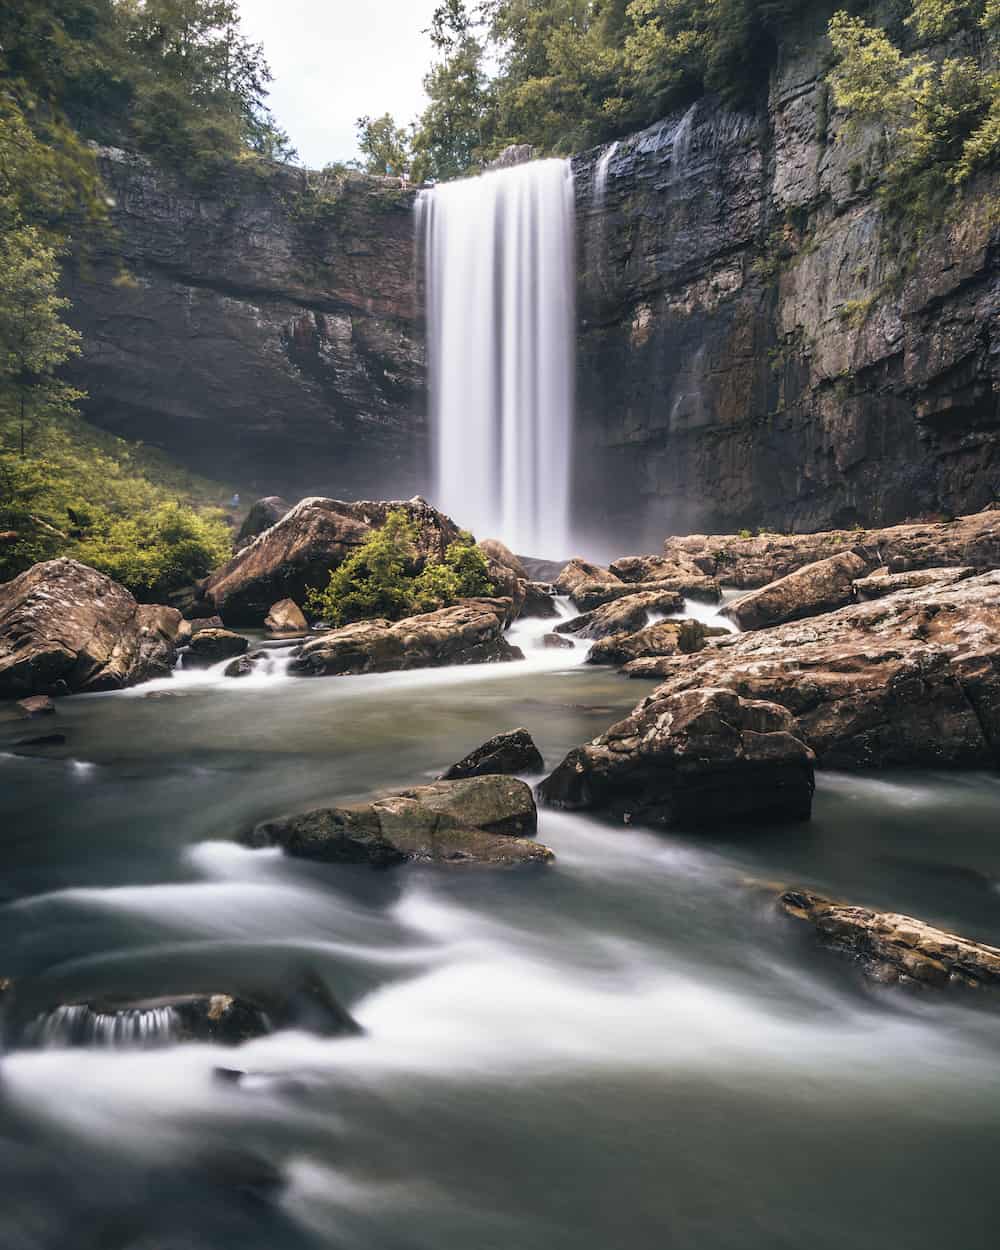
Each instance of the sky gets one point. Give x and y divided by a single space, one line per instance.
335 60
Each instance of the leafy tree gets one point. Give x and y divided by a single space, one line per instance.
384 145
941 115
381 579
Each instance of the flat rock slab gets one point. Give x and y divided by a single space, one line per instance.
468 633
895 948
815 588
485 820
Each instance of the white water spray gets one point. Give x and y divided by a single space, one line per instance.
498 257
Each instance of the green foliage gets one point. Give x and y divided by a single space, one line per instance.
941 114
82 493
384 145
381 579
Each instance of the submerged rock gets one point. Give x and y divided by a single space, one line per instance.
36 705
705 758
623 616
557 642
809 591
244 665
510 752
285 617
300 549
479 819
468 633
64 627
910 679
895 948
209 646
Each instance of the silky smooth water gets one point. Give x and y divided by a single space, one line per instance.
629 1050
499 276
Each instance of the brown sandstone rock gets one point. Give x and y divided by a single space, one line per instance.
262 515
468 633
679 573
590 595
578 570
665 638
299 551
623 615
911 679
892 947
809 591
285 618
64 626
209 646
703 758
884 583
494 549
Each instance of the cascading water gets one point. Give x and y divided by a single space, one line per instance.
498 257
80 1025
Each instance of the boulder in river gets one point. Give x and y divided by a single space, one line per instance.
299 550
706 758
679 573
468 633
494 549
589 595
285 617
664 638
209 646
623 616
36 705
557 642
538 601
475 820
894 948
578 570
809 591
510 752
64 627
910 679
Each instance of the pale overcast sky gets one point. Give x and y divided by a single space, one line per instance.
334 60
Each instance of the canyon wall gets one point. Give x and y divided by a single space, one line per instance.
755 348
263 329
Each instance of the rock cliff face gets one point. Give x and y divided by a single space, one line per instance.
754 349
264 330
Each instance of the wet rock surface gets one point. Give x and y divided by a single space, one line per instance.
892 948
299 551
209 646
590 595
621 616
510 752
665 638
577 571
810 591
64 627
910 679
702 759
469 633
486 820
538 601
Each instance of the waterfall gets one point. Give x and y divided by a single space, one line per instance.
601 171
498 255
80 1025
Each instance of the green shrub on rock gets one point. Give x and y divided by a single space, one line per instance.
382 579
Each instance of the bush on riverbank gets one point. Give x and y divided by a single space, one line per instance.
382 579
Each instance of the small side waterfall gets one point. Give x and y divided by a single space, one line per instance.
498 261
80 1025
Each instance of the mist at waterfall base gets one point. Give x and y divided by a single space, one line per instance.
498 262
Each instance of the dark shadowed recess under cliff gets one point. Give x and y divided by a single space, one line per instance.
756 347
261 330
